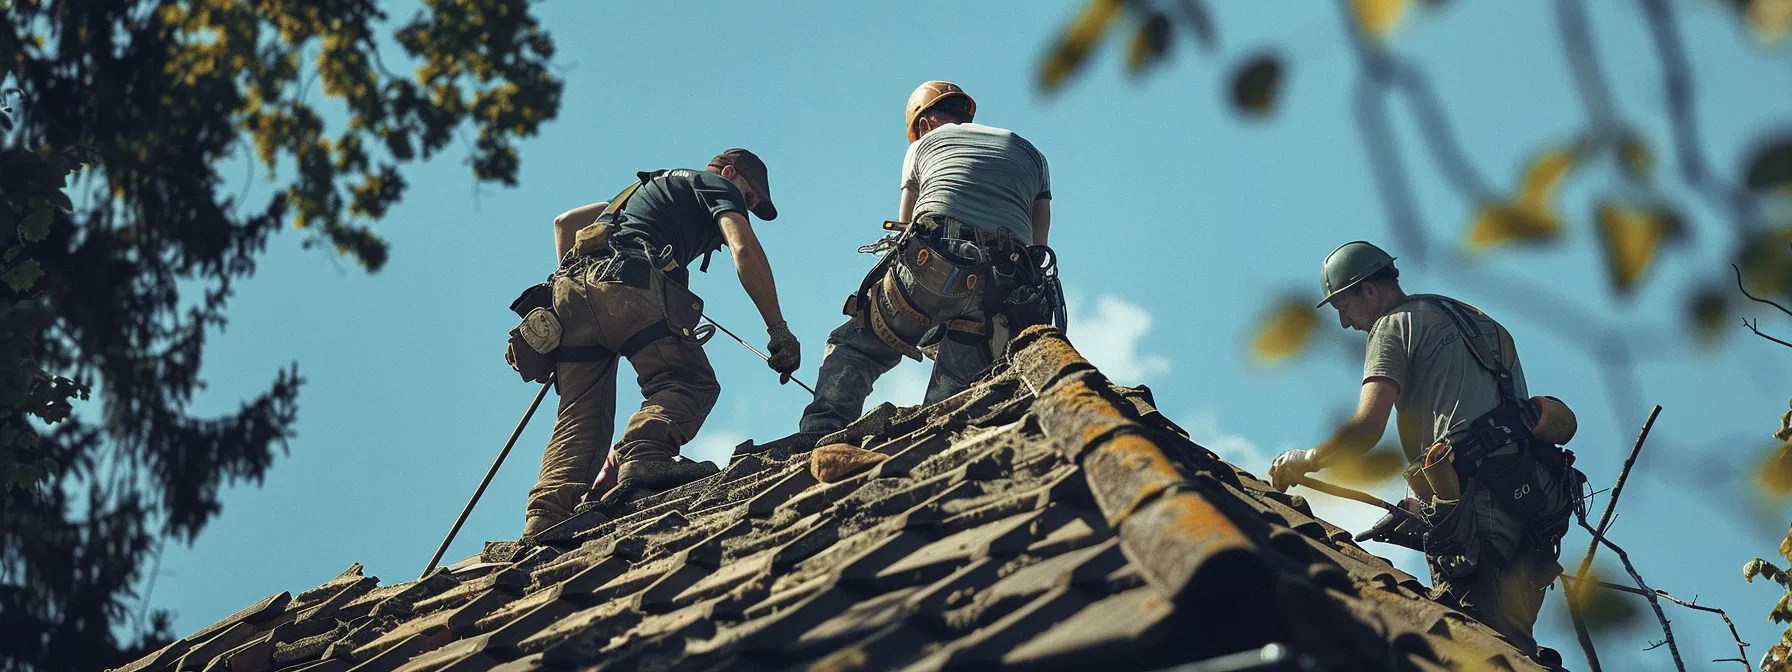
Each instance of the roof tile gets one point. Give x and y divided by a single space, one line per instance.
1042 518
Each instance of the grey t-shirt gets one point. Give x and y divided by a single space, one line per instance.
984 176
1442 386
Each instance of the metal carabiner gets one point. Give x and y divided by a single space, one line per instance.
702 334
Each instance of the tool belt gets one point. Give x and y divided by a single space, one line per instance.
536 343
1503 448
943 279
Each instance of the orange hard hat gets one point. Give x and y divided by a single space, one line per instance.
929 94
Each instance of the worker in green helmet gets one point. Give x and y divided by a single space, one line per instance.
1491 483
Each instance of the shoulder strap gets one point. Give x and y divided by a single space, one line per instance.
1463 315
617 203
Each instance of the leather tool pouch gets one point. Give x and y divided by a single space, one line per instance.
531 365
684 310
540 295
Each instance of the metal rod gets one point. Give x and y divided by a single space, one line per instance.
489 473
1355 495
756 351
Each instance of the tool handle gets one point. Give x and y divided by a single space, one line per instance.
489 473
1354 495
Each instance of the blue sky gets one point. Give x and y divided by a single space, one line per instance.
1177 221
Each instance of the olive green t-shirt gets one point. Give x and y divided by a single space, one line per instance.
1442 386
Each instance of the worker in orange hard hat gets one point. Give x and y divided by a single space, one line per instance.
1493 485
968 270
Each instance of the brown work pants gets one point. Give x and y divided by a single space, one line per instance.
678 387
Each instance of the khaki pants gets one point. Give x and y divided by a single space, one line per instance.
603 305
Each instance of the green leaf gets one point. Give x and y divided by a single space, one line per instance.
1764 568
1149 44
1709 311
1770 169
36 226
1256 83
59 198
21 277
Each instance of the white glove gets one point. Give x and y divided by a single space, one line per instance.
1289 466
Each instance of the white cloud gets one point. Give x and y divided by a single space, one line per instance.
1203 427
905 385
1109 337
714 444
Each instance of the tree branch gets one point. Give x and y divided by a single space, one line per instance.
1586 563
1757 330
1754 298
1667 630
1742 654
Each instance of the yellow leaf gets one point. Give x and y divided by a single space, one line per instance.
1543 176
1372 468
1073 48
1286 331
1499 224
1630 239
1377 18
1255 84
1773 470
1770 19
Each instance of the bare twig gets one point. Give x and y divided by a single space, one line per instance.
1752 297
1757 330
1667 630
1694 604
1611 504
1605 519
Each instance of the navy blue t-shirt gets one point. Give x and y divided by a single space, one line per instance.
678 209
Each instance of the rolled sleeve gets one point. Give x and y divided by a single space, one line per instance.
911 174
718 195
1389 355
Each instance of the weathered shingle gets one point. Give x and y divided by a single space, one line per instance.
1042 519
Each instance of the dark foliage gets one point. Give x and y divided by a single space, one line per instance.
132 107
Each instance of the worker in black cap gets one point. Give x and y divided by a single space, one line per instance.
620 292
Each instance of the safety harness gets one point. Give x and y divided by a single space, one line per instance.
936 270
535 343
1511 477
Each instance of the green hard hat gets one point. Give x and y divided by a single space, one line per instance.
1348 265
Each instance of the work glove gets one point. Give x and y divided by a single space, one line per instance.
1397 529
786 352
1289 466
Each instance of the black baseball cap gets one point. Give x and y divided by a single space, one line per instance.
752 170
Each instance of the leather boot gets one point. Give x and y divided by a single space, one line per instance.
650 475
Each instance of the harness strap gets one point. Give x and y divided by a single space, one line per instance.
646 337
1472 336
581 353
598 353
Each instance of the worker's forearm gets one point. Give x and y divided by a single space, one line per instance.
1350 441
756 277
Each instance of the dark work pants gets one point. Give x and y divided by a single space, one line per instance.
853 360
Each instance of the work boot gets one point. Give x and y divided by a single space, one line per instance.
646 476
